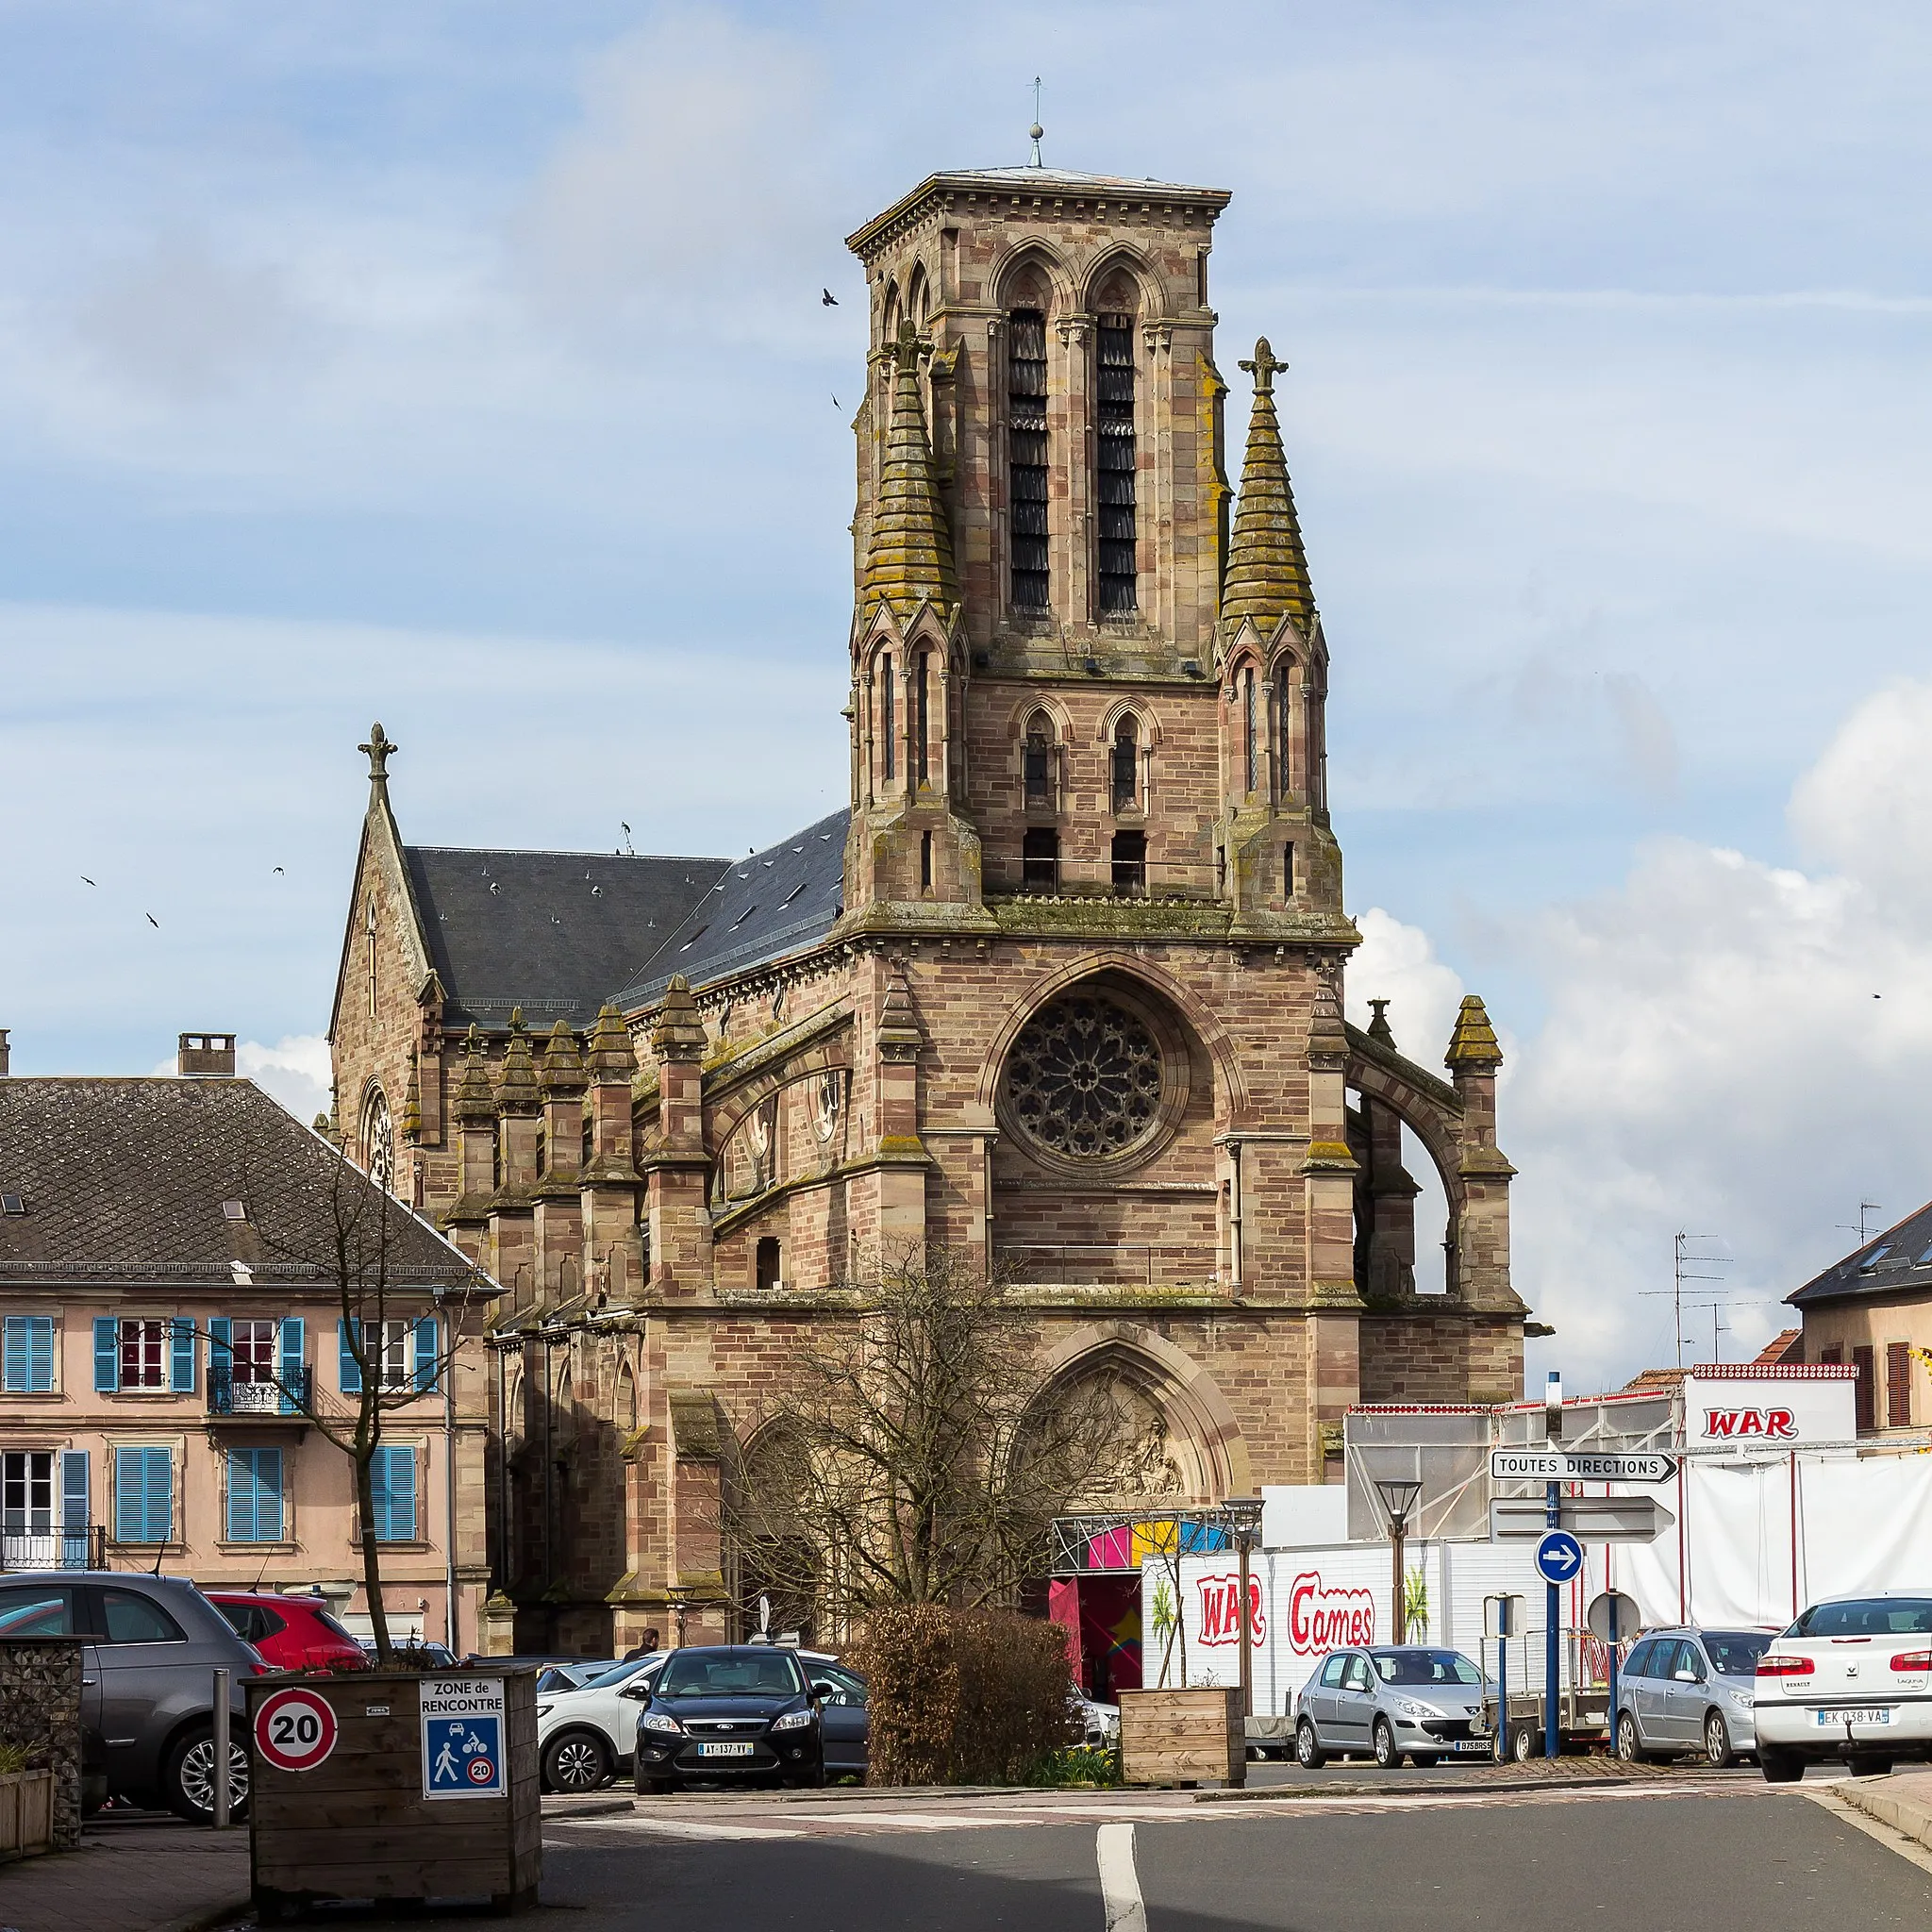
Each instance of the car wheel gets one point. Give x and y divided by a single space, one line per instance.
576 1761
1309 1752
188 1777
654 1787
1387 1756
1629 1748
1863 1764
1717 1742
1526 1741
1423 1760
1779 1766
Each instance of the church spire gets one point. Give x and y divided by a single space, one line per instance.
1267 567
909 559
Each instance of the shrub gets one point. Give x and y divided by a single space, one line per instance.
964 1697
14 1758
1080 1767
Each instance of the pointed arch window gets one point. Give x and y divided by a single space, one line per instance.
1026 458
921 720
1126 764
1114 463
1035 763
1250 736
1284 732
888 718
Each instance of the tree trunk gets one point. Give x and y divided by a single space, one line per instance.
371 1560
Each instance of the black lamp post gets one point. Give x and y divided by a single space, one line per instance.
1399 1497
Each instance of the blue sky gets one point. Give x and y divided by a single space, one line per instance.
463 366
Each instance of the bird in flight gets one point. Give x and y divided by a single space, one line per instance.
280 873
86 881
152 920
835 402
826 299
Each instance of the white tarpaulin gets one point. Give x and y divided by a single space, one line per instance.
1862 1523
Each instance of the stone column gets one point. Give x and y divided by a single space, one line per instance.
512 1226
609 1186
1481 1252
1329 1171
475 1113
677 1167
559 1231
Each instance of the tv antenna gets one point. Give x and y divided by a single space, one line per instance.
1863 1233
1686 1266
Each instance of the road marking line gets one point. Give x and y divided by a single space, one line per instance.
681 1827
1119 1884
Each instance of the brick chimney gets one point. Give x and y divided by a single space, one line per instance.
206 1056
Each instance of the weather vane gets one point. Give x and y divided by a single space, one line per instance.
1036 131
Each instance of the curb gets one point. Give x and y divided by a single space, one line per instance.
210 1917
1905 1816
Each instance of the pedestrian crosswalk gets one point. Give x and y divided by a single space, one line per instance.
745 1819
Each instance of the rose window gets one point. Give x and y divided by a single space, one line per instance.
1085 1078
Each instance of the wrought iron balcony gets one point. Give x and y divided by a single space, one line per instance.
26 1547
231 1395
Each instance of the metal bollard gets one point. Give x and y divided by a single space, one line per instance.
220 1787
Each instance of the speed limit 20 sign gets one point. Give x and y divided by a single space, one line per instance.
294 1729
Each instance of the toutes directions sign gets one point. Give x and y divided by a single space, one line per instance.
1580 1466
463 1738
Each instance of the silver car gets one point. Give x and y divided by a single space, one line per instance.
1397 1701
1690 1689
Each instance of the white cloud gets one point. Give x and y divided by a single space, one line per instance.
1398 963
296 1071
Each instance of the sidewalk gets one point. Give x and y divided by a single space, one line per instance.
1903 1800
135 1874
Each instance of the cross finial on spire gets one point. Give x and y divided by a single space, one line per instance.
1264 367
378 750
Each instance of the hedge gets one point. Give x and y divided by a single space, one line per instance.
964 1697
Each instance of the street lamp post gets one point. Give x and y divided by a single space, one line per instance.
1399 1496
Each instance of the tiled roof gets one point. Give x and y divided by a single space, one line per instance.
1898 1262
1778 1348
125 1179
761 907
553 932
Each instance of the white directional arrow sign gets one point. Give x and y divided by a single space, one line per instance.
1580 1466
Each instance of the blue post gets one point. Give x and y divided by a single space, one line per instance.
1503 1679
1554 1517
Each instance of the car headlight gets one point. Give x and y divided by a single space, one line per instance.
661 1720
793 1721
1415 1712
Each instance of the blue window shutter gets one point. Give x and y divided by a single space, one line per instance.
128 1525
289 1368
241 1495
351 1371
180 1355
268 1495
392 1482
221 1353
425 1353
74 1497
40 1354
160 1495
13 1359
107 1354
378 1493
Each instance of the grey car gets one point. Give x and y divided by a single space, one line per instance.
1393 1701
1691 1689
149 1649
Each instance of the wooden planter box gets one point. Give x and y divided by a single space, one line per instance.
358 1826
1182 1736
26 1813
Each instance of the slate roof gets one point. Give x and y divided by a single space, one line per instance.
761 907
125 1179
1898 1262
553 932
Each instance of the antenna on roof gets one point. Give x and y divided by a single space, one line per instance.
1036 133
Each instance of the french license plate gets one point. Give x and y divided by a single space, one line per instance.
1473 1746
1864 1714
724 1750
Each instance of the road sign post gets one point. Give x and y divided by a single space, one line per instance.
1552 1615
1610 1615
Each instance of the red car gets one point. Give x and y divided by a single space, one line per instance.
292 1633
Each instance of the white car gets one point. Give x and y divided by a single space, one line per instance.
1100 1724
1851 1679
586 1737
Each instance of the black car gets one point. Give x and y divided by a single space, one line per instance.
733 1713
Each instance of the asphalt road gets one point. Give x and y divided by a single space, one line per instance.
1735 1857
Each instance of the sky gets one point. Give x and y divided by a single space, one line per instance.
463 365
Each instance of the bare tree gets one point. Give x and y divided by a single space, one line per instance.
911 1458
373 1253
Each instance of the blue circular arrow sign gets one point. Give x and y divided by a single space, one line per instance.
1558 1557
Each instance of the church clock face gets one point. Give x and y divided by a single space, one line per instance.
1084 1080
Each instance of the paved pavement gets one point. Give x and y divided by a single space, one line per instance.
133 1874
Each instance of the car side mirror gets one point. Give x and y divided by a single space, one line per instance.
826 1691
1689 1677
639 1692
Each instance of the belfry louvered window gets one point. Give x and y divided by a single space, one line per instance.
1026 457
1113 423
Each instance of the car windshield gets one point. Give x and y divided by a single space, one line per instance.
1868 1616
698 1673
1425 1667
1735 1652
620 1674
